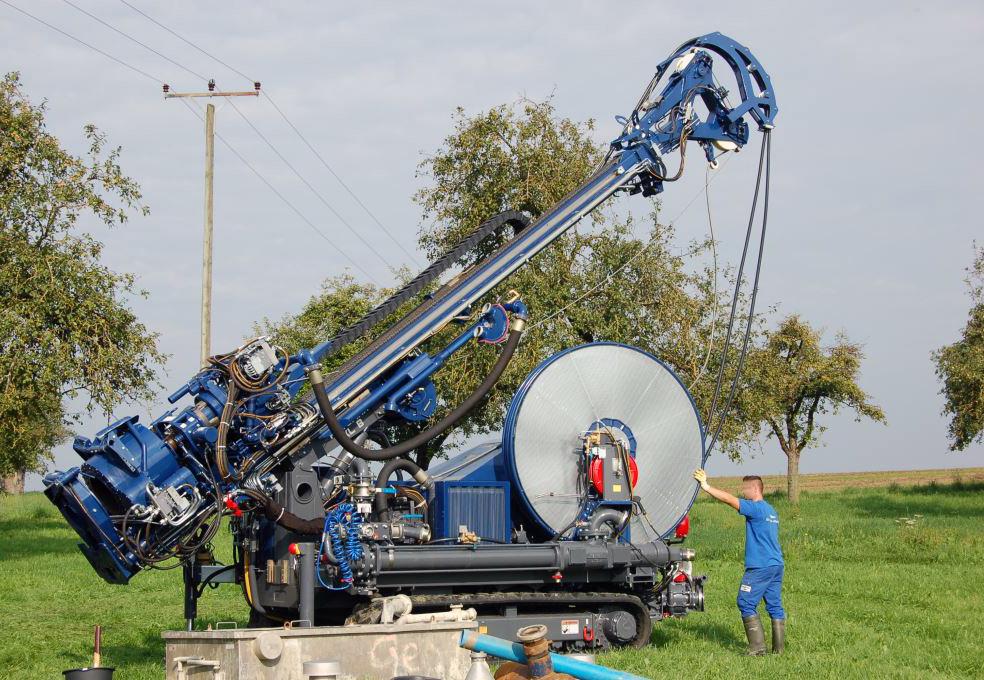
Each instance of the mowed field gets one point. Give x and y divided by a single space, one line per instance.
884 578
837 481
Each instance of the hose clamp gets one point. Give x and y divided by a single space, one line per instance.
314 374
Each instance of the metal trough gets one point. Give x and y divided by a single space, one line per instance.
369 652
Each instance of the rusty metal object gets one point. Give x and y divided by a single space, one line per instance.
539 665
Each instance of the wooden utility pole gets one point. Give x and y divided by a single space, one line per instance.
207 241
206 346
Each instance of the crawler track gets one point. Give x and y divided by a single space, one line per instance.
559 601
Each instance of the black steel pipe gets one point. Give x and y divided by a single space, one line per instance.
305 586
544 556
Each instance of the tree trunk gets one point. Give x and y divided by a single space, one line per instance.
14 483
793 475
425 454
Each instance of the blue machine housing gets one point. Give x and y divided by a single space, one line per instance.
125 461
481 506
122 462
101 543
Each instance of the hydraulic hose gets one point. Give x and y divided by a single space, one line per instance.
288 520
346 442
419 475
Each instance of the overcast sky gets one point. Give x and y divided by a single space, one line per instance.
875 200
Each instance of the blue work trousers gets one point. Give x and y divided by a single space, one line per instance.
761 583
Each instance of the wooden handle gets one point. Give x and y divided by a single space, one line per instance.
97 648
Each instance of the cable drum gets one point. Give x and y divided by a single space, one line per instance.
630 391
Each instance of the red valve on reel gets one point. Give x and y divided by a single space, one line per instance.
596 473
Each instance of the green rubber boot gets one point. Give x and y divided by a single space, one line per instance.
755 635
778 636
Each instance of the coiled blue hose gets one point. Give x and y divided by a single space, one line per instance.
353 546
343 515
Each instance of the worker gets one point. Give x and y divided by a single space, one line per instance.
763 562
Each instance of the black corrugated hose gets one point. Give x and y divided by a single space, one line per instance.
517 326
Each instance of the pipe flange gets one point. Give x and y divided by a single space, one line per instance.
531 633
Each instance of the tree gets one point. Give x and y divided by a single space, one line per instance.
960 367
66 331
793 381
595 283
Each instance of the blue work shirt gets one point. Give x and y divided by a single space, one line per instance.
761 534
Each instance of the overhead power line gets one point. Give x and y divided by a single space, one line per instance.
293 127
227 144
185 40
84 43
340 180
310 186
134 40
284 199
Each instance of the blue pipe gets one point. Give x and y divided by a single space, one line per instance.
513 651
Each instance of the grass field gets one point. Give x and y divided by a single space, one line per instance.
836 481
881 581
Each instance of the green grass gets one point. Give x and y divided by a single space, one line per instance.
867 595
50 599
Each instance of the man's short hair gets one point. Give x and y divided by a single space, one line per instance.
754 478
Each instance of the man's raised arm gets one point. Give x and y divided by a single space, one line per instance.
718 494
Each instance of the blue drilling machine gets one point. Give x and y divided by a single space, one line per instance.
573 520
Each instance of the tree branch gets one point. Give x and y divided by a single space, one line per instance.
808 435
777 431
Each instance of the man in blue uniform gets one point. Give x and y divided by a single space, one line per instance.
763 562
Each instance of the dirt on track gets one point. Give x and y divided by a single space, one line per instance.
836 481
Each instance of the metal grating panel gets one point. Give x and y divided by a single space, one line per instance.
481 506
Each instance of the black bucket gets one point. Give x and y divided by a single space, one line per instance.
100 673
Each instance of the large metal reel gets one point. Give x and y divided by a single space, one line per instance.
635 395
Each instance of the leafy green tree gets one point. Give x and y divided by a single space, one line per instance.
793 381
594 283
67 335
960 367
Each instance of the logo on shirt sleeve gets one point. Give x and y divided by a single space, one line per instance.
745 588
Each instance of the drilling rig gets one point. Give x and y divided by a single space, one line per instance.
573 520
